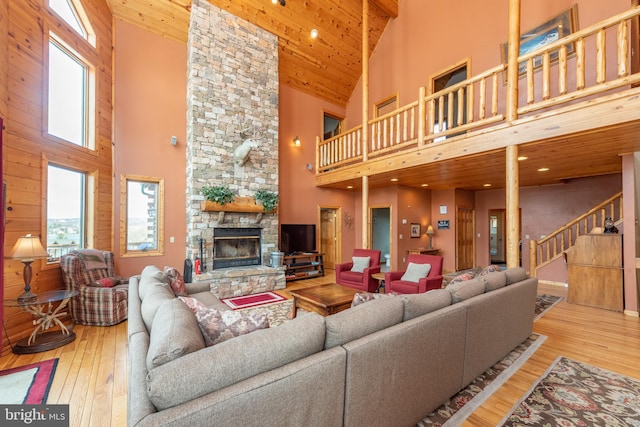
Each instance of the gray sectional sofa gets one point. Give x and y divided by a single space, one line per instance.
386 362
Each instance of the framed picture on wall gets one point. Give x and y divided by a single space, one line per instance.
415 230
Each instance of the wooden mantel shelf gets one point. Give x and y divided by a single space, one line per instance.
239 204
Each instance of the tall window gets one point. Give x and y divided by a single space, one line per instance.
443 81
68 95
332 125
68 12
66 210
141 205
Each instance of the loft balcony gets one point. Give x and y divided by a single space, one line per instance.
575 110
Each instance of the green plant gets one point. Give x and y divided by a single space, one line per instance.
218 194
268 199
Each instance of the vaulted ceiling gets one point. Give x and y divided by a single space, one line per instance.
328 66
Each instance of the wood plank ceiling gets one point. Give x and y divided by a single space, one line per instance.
327 67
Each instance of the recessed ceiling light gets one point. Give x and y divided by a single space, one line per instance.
314 33
424 185
543 169
349 187
394 179
486 185
522 158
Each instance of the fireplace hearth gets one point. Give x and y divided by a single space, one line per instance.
236 247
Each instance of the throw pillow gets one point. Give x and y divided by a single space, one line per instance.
106 282
489 269
360 263
415 272
220 325
462 278
193 303
362 297
175 281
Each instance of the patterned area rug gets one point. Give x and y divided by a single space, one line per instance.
27 384
572 393
460 406
545 303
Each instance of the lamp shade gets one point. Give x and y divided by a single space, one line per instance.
430 230
27 248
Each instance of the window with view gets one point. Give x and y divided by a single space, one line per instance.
66 210
142 208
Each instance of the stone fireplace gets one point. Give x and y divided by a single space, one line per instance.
236 247
232 125
232 141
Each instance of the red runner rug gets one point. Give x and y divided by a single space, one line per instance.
254 300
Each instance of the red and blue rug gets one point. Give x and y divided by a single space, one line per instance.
27 384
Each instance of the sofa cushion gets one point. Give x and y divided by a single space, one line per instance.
418 304
415 272
465 290
174 333
175 281
493 281
235 360
150 276
220 325
360 263
362 320
152 302
515 274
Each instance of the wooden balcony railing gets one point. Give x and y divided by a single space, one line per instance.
542 252
589 62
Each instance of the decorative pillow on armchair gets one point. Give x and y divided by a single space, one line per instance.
360 263
220 325
415 272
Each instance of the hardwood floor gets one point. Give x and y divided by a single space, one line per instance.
92 371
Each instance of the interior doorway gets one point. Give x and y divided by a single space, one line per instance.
465 242
330 232
381 232
497 243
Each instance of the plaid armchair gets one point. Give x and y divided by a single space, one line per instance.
98 304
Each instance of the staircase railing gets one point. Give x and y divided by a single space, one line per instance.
544 251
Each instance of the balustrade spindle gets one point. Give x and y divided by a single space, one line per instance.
546 76
530 82
450 121
562 70
580 64
482 113
623 48
601 51
460 120
494 95
470 103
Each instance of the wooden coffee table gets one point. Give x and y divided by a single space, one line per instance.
323 299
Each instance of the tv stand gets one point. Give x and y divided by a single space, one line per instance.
304 265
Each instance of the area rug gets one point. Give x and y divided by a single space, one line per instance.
27 384
254 300
545 303
455 410
572 393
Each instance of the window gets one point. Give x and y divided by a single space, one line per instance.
67 11
141 204
386 106
332 125
442 81
66 211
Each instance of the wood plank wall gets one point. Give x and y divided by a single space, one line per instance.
27 148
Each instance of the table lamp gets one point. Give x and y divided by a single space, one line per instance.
27 249
430 233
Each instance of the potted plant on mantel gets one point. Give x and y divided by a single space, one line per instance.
268 199
222 199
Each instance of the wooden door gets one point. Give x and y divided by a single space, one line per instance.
329 236
465 248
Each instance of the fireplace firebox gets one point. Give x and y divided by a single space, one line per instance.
236 247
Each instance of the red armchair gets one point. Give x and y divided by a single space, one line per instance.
433 280
360 280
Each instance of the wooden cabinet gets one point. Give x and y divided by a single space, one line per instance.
303 266
424 251
595 271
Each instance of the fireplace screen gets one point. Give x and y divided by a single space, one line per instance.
236 247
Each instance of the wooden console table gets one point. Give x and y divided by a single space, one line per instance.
424 251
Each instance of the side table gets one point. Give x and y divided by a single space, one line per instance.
47 316
380 278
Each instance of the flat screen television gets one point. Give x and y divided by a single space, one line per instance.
297 238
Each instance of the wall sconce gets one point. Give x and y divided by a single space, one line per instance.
296 141
430 232
309 166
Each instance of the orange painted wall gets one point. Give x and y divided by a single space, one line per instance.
150 107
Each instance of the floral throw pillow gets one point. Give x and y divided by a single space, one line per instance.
220 325
175 281
362 297
193 303
462 278
489 269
